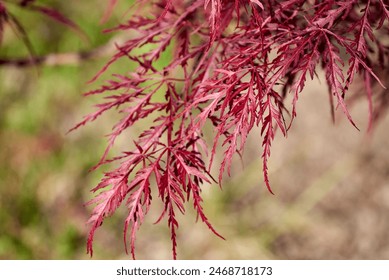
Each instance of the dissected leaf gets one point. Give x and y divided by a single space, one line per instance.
233 65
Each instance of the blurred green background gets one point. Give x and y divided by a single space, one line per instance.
331 181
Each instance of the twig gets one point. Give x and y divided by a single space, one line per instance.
68 58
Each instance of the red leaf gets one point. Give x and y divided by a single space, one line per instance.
108 11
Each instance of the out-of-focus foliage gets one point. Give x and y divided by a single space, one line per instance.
44 179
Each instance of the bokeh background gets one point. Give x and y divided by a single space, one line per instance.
331 181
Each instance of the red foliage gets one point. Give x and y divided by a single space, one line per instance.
234 62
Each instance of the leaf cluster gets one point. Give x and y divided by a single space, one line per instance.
233 65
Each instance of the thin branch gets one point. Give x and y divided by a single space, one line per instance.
68 58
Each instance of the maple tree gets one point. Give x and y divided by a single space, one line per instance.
233 65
